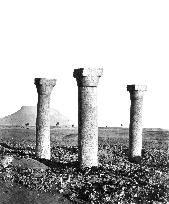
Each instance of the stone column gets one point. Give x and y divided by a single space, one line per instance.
44 89
87 81
135 129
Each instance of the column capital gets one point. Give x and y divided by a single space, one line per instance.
134 87
87 76
136 91
44 86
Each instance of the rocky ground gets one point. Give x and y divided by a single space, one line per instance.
12 192
115 180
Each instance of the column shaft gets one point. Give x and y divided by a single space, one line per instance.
44 89
43 127
87 81
135 128
87 126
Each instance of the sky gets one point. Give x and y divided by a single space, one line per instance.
128 39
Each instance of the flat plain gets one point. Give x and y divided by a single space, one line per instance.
115 180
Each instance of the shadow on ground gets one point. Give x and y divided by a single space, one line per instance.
15 193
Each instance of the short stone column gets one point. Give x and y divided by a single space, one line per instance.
135 129
87 81
44 89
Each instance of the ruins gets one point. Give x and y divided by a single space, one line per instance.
44 89
87 81
135 128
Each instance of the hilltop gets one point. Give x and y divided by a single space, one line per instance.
27 114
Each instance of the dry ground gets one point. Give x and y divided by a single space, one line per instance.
113 144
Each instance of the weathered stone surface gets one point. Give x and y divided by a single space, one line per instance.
135 129
44 89
87 81
87 77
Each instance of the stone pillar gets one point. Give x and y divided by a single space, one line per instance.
135 129
87 81
44 89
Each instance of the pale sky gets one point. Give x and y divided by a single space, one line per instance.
128 39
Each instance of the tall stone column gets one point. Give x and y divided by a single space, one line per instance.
44 89
135 129
87 81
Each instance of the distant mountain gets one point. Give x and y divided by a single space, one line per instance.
27 114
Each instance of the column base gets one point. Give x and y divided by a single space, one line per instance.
87 166
42 156
136 159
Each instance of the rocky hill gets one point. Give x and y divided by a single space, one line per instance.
27 114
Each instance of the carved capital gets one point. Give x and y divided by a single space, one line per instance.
87 77
44 86
136 91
